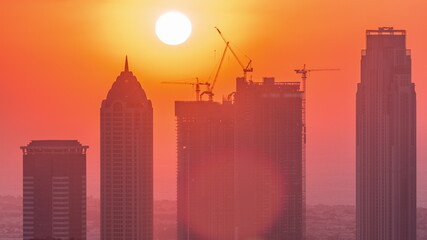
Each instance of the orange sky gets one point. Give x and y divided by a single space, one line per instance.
59 58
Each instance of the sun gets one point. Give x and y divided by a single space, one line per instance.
173 28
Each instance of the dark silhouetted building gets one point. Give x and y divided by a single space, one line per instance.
386 139
126 161
54 196
269 160
205 148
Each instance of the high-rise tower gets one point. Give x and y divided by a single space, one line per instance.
205 147
54 190
126 161
269 160
386 139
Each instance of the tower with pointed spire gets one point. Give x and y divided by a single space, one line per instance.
126 64
126 161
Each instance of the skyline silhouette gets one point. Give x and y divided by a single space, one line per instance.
57 66
59 59
267 153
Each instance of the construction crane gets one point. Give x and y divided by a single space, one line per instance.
304 71
227 45
209 91
196 84
210 87
248 67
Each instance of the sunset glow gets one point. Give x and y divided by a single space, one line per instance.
128 80
61 57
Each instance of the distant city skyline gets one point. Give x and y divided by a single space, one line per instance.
365 140
58 58
269 160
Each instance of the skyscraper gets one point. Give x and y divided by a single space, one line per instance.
386 139
54 190
269 160
205 147
126 161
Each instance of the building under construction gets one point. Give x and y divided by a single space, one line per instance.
241 164
205 148
269 160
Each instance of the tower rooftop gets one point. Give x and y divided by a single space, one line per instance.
385 31
127 88
54 147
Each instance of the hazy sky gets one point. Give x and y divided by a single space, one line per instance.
59 58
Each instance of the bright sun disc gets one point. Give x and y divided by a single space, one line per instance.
173 28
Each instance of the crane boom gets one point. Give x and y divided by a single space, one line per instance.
304 72
197 85
186 83
248 67
323 69
220 65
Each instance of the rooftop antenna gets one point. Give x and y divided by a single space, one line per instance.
126 64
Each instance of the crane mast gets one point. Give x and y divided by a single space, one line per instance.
304 71
220 64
